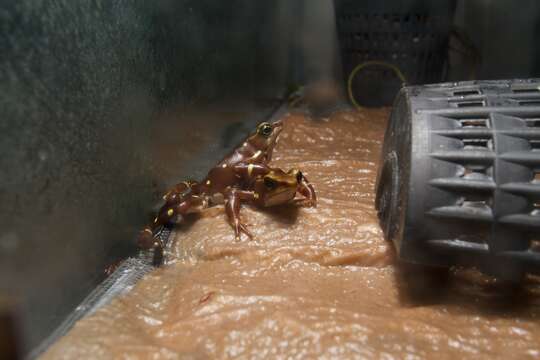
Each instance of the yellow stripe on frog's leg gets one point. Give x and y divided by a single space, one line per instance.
167 194
256 155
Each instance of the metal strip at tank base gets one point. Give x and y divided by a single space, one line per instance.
120 282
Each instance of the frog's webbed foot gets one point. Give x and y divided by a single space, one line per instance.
232 208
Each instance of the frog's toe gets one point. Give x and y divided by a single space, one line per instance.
244 230
305 203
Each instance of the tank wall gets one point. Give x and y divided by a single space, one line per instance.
504 33
105 103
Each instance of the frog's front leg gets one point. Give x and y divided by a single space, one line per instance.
233 202
307 191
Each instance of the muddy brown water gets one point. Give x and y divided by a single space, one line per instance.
315 282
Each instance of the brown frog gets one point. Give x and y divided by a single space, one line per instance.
257 184
264 187
235 179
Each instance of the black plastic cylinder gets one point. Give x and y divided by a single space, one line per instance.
459 182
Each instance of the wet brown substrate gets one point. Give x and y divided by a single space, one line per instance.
314 282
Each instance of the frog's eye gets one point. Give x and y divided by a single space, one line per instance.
270 183
265 129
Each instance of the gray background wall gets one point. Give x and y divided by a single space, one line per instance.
505 33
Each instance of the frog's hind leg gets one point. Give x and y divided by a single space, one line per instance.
233 202
148 239
171 212
180 191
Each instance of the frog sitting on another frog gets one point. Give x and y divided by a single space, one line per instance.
242 176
